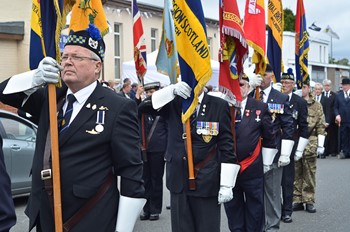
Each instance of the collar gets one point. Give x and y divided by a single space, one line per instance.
243 104
267 91
83 94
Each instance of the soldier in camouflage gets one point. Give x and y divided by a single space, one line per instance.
305 168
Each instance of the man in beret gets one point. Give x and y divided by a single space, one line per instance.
278 104
342 117
154 131
298 107
256 146
98 141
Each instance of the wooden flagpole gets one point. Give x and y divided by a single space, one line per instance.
56 175
192 183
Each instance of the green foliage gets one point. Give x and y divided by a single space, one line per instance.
289 20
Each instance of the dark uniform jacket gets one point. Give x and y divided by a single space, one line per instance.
328 107
158 140
298 106
282 123
342 108
86 158
212 109
7 209
250 130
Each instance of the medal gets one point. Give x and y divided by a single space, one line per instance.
100 121
247 113
99 128
257 119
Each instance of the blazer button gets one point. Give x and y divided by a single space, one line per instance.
184 158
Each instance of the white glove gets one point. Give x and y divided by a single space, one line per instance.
300 149
268 155
47 72
286 149
228 176
128 212
167 94
277 86
320 144
255 80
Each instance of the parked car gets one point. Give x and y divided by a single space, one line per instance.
19 135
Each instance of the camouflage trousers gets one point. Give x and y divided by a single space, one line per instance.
305 179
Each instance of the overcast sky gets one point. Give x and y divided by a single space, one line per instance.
335 13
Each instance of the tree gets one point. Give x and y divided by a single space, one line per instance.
289 20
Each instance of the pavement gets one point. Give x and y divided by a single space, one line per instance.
332 205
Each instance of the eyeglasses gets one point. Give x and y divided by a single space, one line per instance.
75 58
287 82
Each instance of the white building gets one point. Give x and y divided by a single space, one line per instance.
15 39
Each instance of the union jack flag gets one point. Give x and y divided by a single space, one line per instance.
139 43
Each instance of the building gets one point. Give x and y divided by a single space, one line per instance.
15 39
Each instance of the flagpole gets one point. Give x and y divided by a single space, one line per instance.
191 178
55 159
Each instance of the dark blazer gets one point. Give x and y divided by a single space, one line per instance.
283 123
298 106
250 130
342 108
7 209
212 109
328 107
86 158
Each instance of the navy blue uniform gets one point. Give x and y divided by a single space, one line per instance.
298 107
245 212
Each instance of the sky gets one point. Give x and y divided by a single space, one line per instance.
335 13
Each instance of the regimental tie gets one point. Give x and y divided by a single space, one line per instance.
64 123
238 118
262 96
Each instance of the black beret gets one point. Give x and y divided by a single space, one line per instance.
287 76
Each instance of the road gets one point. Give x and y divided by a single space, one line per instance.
332 204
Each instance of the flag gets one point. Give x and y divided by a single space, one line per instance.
314 27
87 12
301 45
255 32
193 50
275 35
139 43
233 49
328 30
167 57
46 26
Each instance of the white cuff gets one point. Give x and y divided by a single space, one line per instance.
320 140
302 144
286 147
19 83
128 211
228 174
268 155
162 97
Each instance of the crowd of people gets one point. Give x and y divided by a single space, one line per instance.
257 158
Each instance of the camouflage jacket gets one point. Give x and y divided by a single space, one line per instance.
316 125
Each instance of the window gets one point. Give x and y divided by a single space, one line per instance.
17 130
117 46
154 34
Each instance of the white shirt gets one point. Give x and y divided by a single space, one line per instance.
243 104
81 96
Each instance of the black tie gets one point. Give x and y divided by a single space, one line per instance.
261 95
238 118
66 118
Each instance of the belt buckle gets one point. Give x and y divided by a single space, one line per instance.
184 136
46 174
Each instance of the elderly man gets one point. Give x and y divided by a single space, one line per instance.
327 101
278 104
98 140
256 146
299 111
